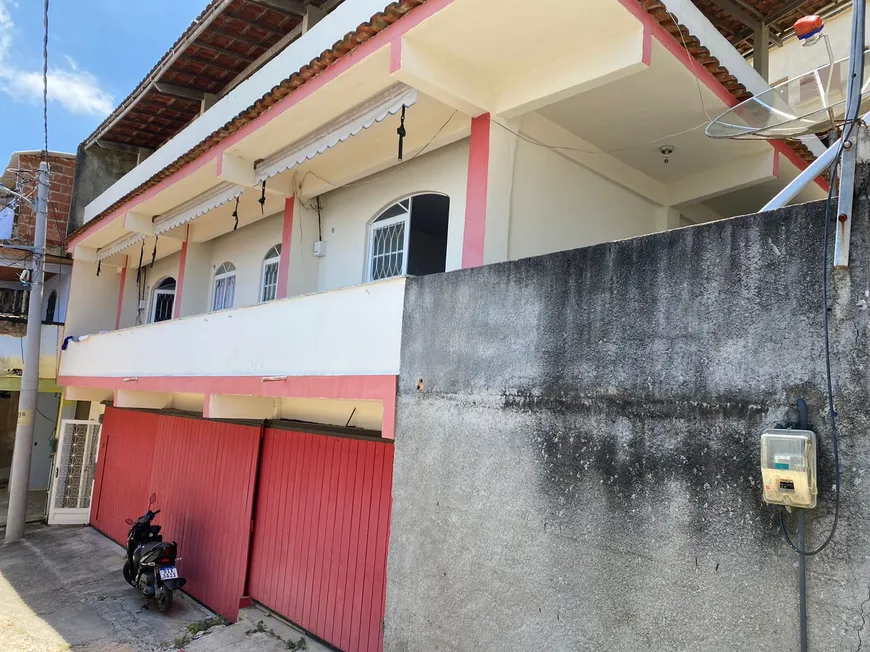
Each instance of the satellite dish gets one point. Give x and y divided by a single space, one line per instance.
813 103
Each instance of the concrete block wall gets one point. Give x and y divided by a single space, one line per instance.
577 445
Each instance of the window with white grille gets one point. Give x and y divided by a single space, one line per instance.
163 300
388 242
410 237
271 264
224 286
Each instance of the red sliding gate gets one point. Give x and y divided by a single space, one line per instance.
320 534
318 552
203 474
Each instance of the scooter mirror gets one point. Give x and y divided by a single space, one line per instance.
152 499
130 521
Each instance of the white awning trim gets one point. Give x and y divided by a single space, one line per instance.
119 245
199 205
350 124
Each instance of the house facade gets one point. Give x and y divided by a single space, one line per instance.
16 237
246 220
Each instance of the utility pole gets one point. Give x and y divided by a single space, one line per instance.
19 477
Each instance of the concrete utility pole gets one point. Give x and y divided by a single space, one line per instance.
19 477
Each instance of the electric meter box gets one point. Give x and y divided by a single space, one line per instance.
788 467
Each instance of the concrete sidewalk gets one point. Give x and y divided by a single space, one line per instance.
61 589
35 506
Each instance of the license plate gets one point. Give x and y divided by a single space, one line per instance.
169 573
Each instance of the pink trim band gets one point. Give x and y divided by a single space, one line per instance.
366 388
286 242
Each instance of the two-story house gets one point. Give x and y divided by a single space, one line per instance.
246 219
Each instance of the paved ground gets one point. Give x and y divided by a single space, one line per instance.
35 506
61 590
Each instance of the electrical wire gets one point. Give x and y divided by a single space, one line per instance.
54 420
694 63
376 177
830 387
560 148
45 79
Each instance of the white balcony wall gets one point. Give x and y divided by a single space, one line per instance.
11 352
354 331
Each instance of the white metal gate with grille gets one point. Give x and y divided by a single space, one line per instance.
74 465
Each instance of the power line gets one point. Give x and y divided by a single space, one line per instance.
45 79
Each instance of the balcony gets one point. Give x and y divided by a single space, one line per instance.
349 332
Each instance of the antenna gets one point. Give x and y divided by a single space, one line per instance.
824 100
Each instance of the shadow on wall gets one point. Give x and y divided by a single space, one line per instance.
577 446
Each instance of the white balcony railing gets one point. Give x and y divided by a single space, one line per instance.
353 331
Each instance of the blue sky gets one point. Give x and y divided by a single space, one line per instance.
98 51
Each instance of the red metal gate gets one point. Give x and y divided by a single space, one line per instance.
321 532
203 473
123 471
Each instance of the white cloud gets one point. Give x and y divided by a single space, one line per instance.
78 91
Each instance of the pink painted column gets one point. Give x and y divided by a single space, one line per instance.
286 241
475 198
121 295
182 264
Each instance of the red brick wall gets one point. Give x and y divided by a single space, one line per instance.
61 175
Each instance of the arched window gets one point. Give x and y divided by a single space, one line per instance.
410 237
50 307
224 286
163 300
271 263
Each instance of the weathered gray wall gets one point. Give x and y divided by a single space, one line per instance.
580 470
96 169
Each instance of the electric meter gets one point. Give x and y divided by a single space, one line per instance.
788 467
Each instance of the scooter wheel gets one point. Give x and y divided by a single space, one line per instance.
128 573
164 600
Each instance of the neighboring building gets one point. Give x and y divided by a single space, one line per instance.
246 227
16 236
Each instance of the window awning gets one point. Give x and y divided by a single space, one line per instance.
199 205
119 245
350 124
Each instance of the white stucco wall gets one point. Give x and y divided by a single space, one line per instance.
304 271
559 205
93 300
198 274
346 212
246 249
